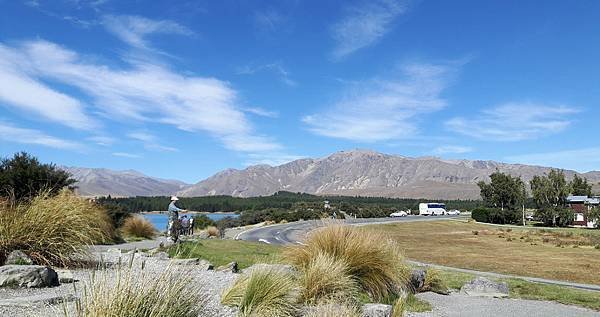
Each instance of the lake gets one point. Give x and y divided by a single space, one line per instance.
160 220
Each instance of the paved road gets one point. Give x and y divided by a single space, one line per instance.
295 232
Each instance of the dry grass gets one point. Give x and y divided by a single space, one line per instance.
52 229
373 260
454 244
134 293
138 227
399 307
263 292
333 310
326 278
434 282
213 231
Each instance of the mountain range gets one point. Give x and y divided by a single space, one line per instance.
356 172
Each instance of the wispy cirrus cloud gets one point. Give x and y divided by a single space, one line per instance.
11 133
150 141
515 121
385 109
20 89
142 91
268 20
126 155
262 112
133 29
364 24
452 149
276 68
581 160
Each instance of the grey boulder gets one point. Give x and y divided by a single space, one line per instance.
377 310
205 265
27 276
18 257
482 286
417 279
229 267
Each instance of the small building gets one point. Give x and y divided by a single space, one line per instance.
326 204
581 206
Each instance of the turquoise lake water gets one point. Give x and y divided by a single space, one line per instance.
160 220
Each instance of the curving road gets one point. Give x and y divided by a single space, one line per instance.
295 232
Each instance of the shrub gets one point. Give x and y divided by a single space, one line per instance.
555 216
137 294
213 232
52 229
203 221
263 292
372 259
24 177
480 214
475 232
326 278
138 227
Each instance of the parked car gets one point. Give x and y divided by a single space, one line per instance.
453 212
399 214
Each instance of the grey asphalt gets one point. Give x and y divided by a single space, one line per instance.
295 232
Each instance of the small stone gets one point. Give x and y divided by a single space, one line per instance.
65 276
229 267
377 310
417 279
27 276
482 286
18 257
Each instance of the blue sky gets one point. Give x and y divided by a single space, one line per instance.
184 89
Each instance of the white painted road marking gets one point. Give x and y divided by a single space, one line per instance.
264 240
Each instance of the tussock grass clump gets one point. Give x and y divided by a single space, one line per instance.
399 307
263 292
434 282
373 260
213 231
333 310
134 293
326 278
138 227
52 229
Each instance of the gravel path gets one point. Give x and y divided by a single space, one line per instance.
456 305
213 283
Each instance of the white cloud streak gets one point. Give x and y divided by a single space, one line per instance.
126 155
515 121
364 25
133 29
21 90
10 133
150 141
142 92
581 160
452 149
276 68
379 110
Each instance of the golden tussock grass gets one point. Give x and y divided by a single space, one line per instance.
52 229
213 231
264 292
333 310
373 260
135 293
326 278
138 227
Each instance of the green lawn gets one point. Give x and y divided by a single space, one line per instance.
220 252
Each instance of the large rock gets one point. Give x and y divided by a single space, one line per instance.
37 300
482 286
417 279
229 267
18 257
27 276
377 310
65 276
205 265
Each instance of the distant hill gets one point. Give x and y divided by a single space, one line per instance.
103 182
366 173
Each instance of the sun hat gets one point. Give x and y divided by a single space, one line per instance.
174 198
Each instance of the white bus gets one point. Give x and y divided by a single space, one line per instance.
432 209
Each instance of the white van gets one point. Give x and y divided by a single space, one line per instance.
432 209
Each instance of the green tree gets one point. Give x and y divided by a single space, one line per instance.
504 191
580 187
23 177
550 193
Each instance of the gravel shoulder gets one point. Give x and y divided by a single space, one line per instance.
457 305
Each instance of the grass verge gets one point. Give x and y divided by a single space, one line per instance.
220 252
